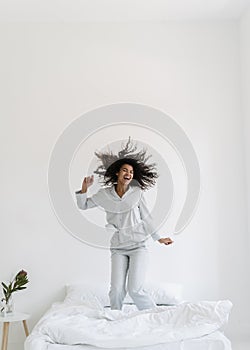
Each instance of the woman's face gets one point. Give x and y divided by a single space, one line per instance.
125 174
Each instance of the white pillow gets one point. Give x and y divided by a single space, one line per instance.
80 293
161 292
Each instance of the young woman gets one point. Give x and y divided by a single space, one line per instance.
130 220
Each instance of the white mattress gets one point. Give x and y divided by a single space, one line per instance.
213 341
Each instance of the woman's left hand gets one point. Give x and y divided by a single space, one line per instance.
165 241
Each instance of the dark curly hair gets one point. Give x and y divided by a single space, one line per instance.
144 174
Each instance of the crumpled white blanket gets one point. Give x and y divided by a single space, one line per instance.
81 324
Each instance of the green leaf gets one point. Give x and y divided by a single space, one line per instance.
4 285
22 284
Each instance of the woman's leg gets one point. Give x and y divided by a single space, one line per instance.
119 269
138 263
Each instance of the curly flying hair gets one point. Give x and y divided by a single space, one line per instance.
145 174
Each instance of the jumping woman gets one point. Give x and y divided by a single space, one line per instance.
125 178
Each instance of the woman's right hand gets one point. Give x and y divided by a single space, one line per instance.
88 181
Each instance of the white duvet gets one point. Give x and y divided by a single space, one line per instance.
82 324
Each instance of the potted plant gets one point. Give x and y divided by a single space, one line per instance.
18 283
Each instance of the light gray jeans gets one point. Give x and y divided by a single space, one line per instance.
131 265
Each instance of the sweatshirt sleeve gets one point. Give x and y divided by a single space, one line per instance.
147 219
84 202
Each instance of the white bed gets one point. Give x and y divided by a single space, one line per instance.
83 322
214 341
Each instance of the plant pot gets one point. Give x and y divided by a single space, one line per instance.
7 308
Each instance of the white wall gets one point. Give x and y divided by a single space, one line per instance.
245 75
245 88
52 73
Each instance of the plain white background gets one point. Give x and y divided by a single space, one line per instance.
198 72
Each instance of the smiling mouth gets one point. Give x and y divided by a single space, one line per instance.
127 178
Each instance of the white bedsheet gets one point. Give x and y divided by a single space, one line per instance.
213 341
81 324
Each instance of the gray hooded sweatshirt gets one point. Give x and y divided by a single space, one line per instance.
127 217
